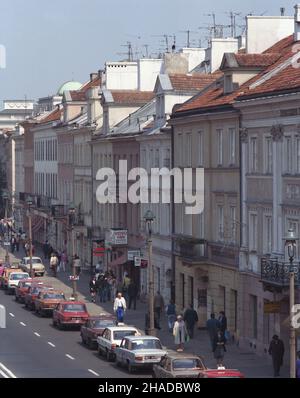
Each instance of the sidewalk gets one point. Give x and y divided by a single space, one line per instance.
246 361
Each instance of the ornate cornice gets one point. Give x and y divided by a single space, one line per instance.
277 131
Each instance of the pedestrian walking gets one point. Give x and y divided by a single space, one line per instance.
119 308
77 265
219 347
298 365
46 248
223 322
18 237
212 326
132 294
147 323
93 289
53 263
190 318
171 315
63 261
276 350
180 333
159 305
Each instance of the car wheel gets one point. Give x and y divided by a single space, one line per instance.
82 339
99 352
16 298
54 323
90 344
130 367
108 356
59 325
118 363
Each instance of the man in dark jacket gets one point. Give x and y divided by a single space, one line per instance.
212 326
190 318
223 322
276 350
132 294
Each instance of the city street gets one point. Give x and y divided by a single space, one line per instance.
31 347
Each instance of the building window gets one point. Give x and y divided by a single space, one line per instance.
200 148
232 146
253 232
188 151
220 223
182 283
298 155
220 146
253 155
233 223
156 162
179 151
268 234
294 225
289 155
268 155
253 316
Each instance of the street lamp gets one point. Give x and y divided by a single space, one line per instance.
290 243
149 218
5 198
29 204
72 212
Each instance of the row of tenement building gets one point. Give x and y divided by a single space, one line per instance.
232 109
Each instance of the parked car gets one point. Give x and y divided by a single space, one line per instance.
70 313
37 265
139 352
33 292
178 366
47 301
111 339
22 288
94 327
13 280
221 372
7 271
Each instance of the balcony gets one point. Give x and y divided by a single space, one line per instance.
275 273
191 249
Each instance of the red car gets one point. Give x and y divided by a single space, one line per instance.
221 373
70 313
22 289
94 327
33 292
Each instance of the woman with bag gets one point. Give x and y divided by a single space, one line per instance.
180 333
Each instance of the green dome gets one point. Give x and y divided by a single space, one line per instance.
68 86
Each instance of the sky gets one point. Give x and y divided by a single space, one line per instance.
49 42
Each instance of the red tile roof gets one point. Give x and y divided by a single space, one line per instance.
80 95
132 96
194 82
256 60
91 83
52 117
215 97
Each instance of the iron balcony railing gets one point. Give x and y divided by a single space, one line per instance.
277 273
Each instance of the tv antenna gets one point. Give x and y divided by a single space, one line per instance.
129 51
188 33
233 24
166 39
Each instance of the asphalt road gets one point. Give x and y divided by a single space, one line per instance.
30 347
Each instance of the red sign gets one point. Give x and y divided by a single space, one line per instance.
99 251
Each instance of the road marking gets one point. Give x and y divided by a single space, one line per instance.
22 323
8 372
52 345
70 356
93 372
4 374
12 315
38 335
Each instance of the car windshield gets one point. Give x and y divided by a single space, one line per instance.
35 260
102 323
54 296
74 308
17 277
187 363
120 334
146 344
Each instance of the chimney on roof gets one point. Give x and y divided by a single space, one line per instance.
93 76
297 23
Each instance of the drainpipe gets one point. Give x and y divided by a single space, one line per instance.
173 281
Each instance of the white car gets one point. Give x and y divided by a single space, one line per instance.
37 265
14 279
111 339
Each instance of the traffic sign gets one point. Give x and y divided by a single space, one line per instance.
74 278
99 251
137 261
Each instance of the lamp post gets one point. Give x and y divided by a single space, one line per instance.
29 203
72 212
290 243
149 218
5 198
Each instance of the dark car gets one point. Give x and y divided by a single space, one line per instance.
94 327
70 313
179 366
